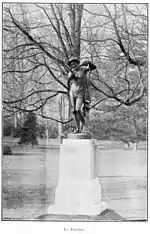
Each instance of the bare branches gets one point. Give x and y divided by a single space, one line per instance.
55 76
38 44
31 94
54 119
34 107
19 71
135 62
35 53
122 44
56 28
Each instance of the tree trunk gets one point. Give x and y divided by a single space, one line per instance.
47 133
60 129
60 126
15 120
75 14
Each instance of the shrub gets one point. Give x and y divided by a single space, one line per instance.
68 128
53 131
41 130
28 133
17 132
7 150
7 129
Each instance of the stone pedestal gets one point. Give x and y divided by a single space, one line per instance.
78 191
83 135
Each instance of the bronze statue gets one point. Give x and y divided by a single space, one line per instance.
79 90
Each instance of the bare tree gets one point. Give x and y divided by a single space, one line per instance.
39 39
119 43
40 58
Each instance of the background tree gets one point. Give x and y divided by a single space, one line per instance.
119 43
113 36
28 132
43 57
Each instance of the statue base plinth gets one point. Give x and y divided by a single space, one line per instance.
83 135
78 191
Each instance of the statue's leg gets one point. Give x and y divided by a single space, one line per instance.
85 110
84 115
75 116
79 103
77 121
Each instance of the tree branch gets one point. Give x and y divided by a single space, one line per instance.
135 62
34 41
35 92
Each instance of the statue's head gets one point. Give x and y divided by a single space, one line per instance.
73 62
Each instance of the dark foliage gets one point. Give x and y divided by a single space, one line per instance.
7 129
17 132
28 132
7 150
53 131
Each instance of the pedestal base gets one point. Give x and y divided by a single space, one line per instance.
83 135
78 199
78 191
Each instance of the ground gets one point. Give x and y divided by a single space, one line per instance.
27 196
